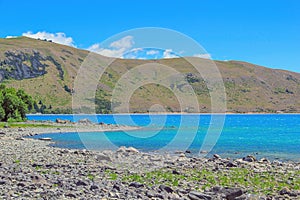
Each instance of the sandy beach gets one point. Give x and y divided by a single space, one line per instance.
31 169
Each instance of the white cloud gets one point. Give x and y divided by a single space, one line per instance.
205 55
59 38
152 52
125 42
168 53
9 36
116 49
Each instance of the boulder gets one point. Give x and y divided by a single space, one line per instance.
166 188
132 150
216 156
81 183
61 121
101 157
136 185
84 121
264 160
123 149
249 158
194 195
232 193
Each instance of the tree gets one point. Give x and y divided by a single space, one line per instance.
14 104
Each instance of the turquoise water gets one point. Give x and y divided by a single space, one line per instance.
275 136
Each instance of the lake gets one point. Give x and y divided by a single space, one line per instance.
274 136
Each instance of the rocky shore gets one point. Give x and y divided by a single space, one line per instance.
30 169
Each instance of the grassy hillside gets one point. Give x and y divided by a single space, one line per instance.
47 71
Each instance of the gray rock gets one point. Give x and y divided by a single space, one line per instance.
101 157
231 164
45 139
249 158
232 193
2 182
132 150
81 183
150 194
71 195
166 188
194 195
264 160
116 187
216 156
136 185
85 121
94 187
121 149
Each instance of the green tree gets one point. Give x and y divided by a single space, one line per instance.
14 104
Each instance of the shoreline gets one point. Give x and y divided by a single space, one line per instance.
31 169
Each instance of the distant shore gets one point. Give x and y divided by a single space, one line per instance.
31 169
171 113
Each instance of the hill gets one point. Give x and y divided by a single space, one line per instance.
47 71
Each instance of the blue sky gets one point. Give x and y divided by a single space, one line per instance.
264 32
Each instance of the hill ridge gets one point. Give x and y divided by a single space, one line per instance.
47 71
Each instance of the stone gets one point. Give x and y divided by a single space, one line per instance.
182 155
132 150
61 121
116 187
231 164
166 188
216 189
101 157
284 191
71 195
216 156
175 172
2 182
232 193
264 160
121 149
21 184
2 133
45 139
94 187
81 183
150 194
38 179
249 158
84 121
194 195
19 138
136 185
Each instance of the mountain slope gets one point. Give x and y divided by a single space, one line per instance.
47 71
